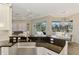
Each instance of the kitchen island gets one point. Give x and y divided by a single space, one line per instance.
37 47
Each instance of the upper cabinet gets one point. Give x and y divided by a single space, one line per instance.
5 16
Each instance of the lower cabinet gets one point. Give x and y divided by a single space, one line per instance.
40 50
4 51
26 51
45 51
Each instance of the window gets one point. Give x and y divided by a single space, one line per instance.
62 26
41 26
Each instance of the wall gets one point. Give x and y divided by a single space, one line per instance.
75 18
21 25
49 20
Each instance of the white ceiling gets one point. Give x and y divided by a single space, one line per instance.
28 11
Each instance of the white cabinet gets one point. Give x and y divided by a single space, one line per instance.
49 52
5 21
45 51
5 17
40 51
5 51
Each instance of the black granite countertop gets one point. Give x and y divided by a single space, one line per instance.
57 46
5 44
51 47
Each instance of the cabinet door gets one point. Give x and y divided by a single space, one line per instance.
4 17
40 51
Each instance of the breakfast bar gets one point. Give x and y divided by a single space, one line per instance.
40 45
